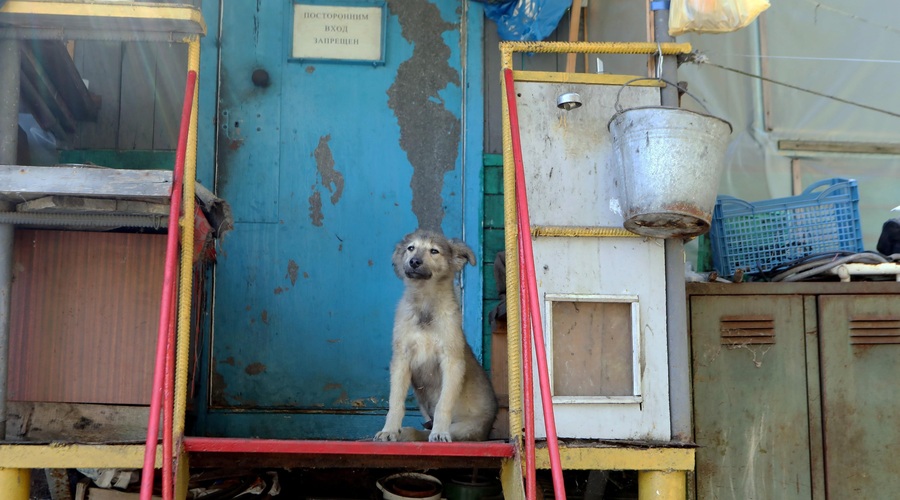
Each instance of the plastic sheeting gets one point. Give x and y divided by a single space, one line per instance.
840 61
526 20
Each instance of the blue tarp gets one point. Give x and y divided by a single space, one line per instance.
525 20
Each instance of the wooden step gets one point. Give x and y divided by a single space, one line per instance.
214 452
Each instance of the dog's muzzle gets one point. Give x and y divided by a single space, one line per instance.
414 269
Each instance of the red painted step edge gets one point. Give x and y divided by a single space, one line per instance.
491 449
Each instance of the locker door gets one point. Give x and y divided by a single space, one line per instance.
860 338
750 397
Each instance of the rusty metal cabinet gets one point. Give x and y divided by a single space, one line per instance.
794 389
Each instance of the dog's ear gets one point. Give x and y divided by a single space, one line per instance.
461 254
397 257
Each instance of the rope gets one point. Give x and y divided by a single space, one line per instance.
701 59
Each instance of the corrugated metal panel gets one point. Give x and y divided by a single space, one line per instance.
85 310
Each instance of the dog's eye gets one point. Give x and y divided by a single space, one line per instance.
410 248
435 251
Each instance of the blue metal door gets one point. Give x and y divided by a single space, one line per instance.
326 165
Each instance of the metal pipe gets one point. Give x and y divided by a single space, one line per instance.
514 339
9 135
533 302
527 385
81 220
582 232
676 296
166 313
187 259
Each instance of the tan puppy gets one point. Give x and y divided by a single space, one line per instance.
430 350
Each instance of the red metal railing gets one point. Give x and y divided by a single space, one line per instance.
163 373
531 306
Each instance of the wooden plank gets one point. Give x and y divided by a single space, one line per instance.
138 91
494 449
58 61
70 456
619 458
171 74
35 70
881 148
766 73
20 182
796 177
84 423
80 205
592 349
99 62
59 204
574 25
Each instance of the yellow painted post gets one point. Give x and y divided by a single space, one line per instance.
662 485
511 478
15 484
182 477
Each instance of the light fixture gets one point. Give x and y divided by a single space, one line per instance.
568 101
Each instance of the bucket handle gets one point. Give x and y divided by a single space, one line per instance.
667 82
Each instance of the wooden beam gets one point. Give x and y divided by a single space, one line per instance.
19 182
882 148
70 456
574 25
765 72
620 458
84 423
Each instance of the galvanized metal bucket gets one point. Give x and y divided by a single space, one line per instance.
670 162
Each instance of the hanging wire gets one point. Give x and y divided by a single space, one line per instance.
701 59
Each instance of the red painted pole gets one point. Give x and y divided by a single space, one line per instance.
167 311
528 383
533 301
168 487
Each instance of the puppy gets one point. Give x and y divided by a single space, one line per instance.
430 350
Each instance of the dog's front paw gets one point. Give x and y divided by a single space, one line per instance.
388 435
439 437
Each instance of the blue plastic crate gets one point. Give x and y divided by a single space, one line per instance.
759 236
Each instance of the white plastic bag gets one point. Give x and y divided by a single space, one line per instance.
712 16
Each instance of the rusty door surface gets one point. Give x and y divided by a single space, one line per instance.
327 164
751 389
860 348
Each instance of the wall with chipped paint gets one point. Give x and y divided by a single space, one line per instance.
326 167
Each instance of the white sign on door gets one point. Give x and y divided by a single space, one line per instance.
338 33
